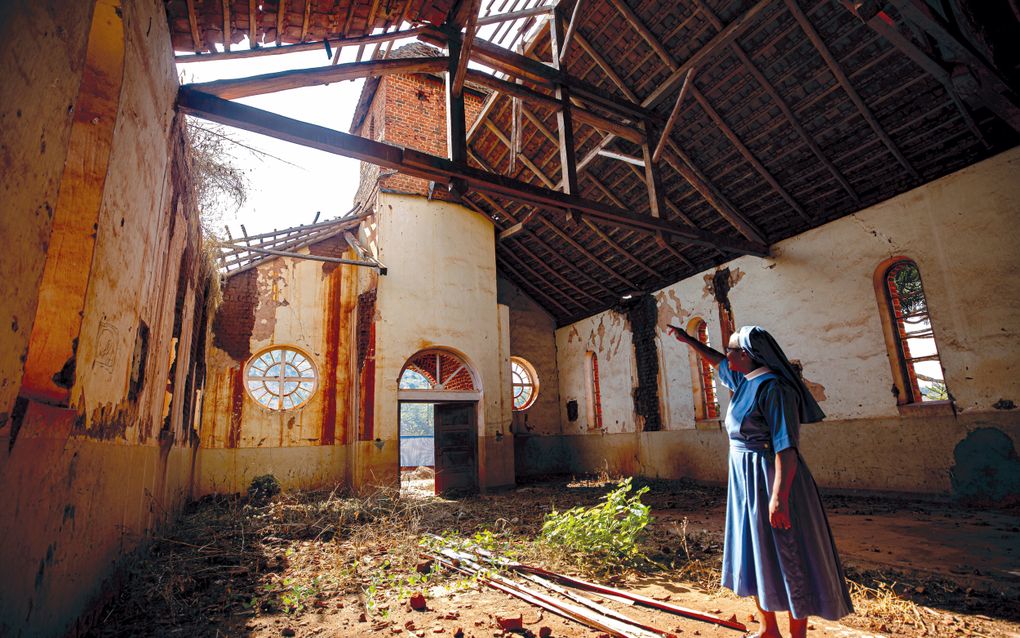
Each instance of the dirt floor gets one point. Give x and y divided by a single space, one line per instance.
321 564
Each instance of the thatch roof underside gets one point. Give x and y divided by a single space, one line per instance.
808 114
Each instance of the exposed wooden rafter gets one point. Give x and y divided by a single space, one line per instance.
196 37
304 20
673 116
228 34
253 40
778 100
848 88
281 10
297 78
297 48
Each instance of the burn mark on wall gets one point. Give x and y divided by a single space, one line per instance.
64 378
139 358
643 314
817 390
366 362
16 419
987 470
719 284
235 319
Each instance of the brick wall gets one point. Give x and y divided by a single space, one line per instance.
235 318
410 111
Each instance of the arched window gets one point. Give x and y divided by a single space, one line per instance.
706 396
917 370
280 378
525 383
594 392
431 372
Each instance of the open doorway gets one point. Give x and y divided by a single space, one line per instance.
417 449
438 399
438 448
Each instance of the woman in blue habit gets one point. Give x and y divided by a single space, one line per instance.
778 545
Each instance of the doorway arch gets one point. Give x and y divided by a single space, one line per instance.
438 394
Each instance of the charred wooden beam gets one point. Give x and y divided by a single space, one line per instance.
297 48
196 37
440 169
612 272
297 78
848 88
684 165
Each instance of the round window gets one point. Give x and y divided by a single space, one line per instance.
280 378
525 383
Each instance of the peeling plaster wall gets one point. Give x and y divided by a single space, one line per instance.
816 296
440 293
87 482
292 302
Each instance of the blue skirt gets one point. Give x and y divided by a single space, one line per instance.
795 570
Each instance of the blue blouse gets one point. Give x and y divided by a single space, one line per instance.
763 411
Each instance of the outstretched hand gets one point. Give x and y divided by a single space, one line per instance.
779 513
677 333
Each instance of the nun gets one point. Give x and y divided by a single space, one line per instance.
778 548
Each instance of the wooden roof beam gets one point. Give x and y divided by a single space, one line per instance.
984 82
281 10
728 34
688 68
778 100
521 66
603 64
252 25
844 81
305 19
514 15
297 48
297 78
467 41
558 254
524 282
882 24
228 34
585 116
559 232
673 117
747 154
196 37
431 167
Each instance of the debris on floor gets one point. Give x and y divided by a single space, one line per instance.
328 564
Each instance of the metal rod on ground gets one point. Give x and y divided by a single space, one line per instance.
578 614
594 587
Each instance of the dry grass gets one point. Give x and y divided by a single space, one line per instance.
228 560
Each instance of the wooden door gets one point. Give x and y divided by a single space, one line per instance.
456 448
